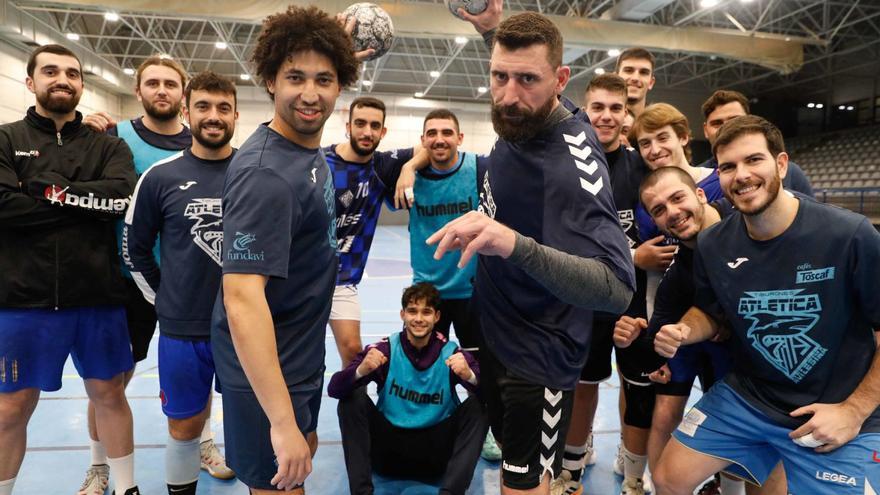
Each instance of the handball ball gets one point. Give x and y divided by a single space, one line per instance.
372 28
472 7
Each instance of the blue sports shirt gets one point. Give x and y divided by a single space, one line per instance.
554 188
360 190
278 222
802 307
178 199
441 198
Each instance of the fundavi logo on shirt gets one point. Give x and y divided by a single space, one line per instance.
240 250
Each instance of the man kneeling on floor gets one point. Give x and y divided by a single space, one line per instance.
420 427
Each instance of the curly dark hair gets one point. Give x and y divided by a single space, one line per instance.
422 291
300 29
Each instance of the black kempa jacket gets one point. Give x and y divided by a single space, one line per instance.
60 193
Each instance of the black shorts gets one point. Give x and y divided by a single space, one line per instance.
597 369
141 316
529 420
460 314
246 430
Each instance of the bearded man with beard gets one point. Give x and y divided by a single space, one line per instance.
802 316
154 136
551 249
61 292
179 200
363 178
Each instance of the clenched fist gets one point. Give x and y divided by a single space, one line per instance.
670 338
458 364
373 360
627 329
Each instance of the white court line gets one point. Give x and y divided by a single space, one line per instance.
395 234
387 277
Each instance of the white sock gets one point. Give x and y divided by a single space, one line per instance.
122 472
207 434
99 454
633 464
732 487
6 487
182 461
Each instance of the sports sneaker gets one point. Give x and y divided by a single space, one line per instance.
632 486
563 485
618 461
213 461
131 491
712 487
647 482
491 452
97 478
590 456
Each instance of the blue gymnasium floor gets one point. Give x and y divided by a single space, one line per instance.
58 453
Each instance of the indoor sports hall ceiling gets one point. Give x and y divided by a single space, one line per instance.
792 46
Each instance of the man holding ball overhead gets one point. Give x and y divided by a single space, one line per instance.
546 230
279 256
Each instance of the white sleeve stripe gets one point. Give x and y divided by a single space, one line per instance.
145 288
129 215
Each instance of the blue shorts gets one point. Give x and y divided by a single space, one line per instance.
723 425
708 360
246 430
35 343
186 371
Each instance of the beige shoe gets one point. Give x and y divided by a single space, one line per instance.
97 478
213 461
563 485
632 486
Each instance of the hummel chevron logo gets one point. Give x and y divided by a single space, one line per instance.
575 140
549 441
552 398
188 184
552 420
592 187
548 463
590 169
735 264
580 153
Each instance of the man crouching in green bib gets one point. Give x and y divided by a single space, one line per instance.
418 429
